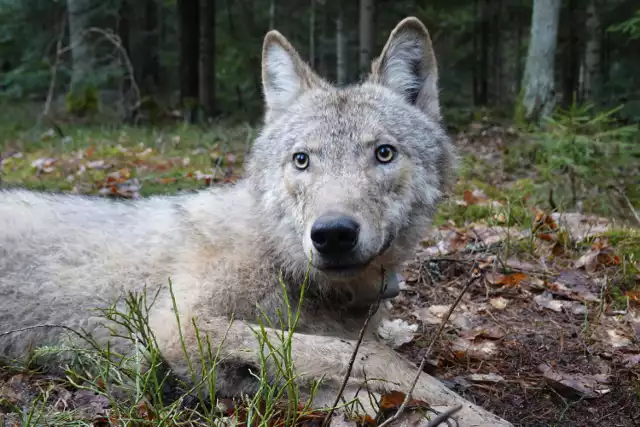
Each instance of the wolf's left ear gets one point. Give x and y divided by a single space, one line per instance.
285 75
408 66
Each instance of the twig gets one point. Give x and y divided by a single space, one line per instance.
54 70
444 416
631 208
45 325
372 310
474 276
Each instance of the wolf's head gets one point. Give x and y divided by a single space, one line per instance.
350 177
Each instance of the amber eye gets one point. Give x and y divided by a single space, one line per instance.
301 161
385 153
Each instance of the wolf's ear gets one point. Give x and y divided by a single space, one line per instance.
408 66
284 74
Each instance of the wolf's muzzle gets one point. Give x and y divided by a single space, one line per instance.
335 235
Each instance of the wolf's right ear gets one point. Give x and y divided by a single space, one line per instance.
284 74
408 66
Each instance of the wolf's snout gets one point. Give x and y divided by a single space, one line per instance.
335 235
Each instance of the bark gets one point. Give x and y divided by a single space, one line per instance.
207 56
81 54
570 55
189 25
272 14
539 74
367 8
496 57
151 65
341 50
312 34
592 63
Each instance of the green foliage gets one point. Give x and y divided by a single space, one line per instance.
630 27
579 153
82 102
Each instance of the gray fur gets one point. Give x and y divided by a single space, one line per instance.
62 255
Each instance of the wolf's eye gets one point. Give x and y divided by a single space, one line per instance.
385 153
301 161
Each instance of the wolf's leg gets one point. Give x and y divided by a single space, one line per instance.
315 357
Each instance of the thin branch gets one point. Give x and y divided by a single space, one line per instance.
444 416
631 208
373 308
475 275
115 40
54 69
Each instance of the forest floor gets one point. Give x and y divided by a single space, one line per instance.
548 334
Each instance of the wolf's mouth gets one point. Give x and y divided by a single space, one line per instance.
350 268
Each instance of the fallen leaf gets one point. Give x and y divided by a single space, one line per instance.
580 226
509 280
434 314
499 303
575 385
601 255
390 402
396 332
486 378
475 197
473 349
484 331
617 340
545 300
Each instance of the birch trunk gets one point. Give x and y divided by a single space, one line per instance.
81 55
539 98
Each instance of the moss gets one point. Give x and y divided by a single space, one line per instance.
82 102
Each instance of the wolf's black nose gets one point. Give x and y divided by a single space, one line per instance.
334 235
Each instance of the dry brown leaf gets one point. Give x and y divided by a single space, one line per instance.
475 197
575 385
509 280
601 255
474 349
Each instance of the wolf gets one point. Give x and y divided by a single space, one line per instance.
340 183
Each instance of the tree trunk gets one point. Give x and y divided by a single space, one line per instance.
538 100
518 53
151 65
207 73
312 34
189 25
272 14
483 95
496 57
571 55
341 50
367 8
592 63
78 11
